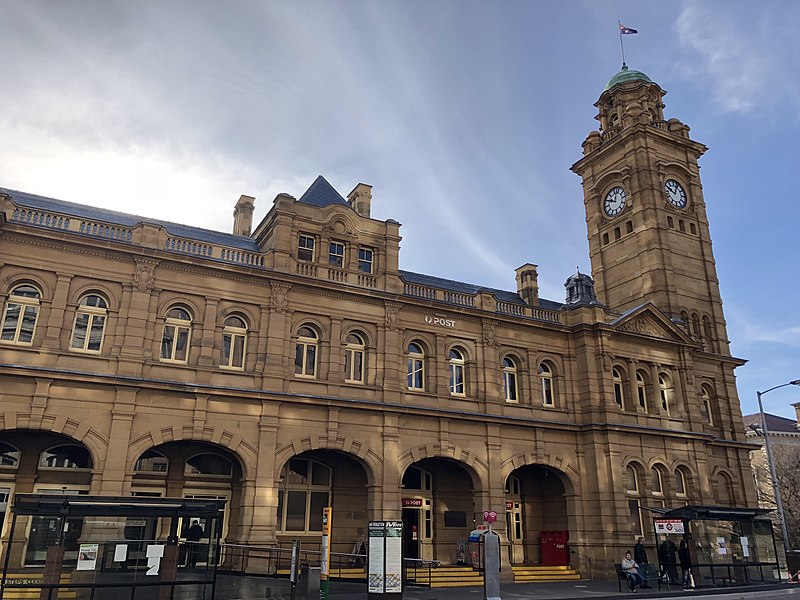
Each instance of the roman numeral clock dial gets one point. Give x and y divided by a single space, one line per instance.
675 193
615 201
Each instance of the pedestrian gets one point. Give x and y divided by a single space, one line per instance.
686 565
666 556
640 556
631 570
193 537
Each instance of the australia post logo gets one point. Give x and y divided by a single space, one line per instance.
440 321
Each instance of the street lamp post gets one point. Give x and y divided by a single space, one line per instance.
776 485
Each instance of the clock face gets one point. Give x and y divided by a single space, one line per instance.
675 193
614 202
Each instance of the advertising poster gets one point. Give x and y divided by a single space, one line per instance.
87 557
669 526
377 531
394 557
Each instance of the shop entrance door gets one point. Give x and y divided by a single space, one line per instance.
410 533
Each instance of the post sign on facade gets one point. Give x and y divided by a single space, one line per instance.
325 552
385 574
489 516
411 502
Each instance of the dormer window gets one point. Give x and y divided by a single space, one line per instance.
365 259
305 247
336 254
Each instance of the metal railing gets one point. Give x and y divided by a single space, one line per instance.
413 568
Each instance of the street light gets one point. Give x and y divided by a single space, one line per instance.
775 484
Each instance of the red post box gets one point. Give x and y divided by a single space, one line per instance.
554 550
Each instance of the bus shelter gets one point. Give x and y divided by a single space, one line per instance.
102 547
727 545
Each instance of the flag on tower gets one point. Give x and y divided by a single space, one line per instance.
626 30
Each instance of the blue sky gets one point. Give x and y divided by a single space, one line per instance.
465 116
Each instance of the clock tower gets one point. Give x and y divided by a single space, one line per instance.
648 230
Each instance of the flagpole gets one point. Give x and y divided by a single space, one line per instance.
621 47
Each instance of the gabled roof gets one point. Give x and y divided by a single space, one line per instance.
648 320
775 424
321 193
83 211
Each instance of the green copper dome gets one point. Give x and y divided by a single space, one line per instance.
626 75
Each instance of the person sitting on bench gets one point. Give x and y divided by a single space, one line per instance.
631 570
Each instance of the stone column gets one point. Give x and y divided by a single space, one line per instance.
119 441
55 321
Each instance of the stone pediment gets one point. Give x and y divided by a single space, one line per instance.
649 321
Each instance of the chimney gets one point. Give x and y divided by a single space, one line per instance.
360 199
528 284
243 215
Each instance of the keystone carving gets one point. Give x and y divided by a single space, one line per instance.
392 316
489 334
144 276
280 297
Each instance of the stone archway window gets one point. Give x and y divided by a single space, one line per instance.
456 364
151 461
177 335
354 355
305 356
305 490
416 366
641 389
90 324
657 484
65 457
234 342
510 389
209 465
619 387
633 492
546 381
680 482
20 315
9 456
666 391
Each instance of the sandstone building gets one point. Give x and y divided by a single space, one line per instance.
292 365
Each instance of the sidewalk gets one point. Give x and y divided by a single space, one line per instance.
249 588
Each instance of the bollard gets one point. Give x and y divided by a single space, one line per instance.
491 571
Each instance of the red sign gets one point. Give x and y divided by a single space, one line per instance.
489 516
509 504
411 502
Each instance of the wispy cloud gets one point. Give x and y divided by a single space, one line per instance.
744 61
749 331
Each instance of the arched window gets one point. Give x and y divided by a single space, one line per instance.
416 367
681 481
19 318
724 489
619 387
208 464
305 354
546 381
510 380
177 335
666 391
456 364
354 358
708 334
705 404
304 491
641 389
151 461
66 457
90 323
9 457
656 482
234 342
633 492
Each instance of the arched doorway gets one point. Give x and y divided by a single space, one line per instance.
535 501
312 480
190 470
438 504
41 462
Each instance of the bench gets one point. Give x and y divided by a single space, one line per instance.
648 570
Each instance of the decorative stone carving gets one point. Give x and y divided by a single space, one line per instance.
280 297
489 333
643 326
392 316
144 276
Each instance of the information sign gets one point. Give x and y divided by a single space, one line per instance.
385 572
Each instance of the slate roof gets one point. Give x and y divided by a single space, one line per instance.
471 289
83 211
774 423
322 194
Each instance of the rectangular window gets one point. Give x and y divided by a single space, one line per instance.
635 517
365 257
415 378
336 254
547 391
233 350
305 247
455 518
